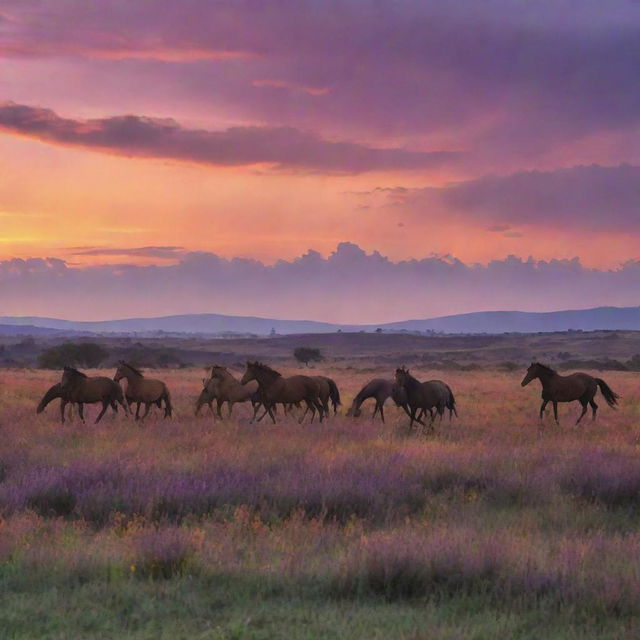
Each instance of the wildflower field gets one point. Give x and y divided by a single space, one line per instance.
493 526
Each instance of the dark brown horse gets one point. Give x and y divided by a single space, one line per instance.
380 389
334 393
274 388
576 386
76 386
422 395
56 391
143 390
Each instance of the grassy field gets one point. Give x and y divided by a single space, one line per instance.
495 526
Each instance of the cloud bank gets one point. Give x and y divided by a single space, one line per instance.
349 286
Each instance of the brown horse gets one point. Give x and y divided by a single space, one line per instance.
208 394
379 389
56 391
421 395
274 389
143 390
576 386
75 386
52 393
229 389
334 393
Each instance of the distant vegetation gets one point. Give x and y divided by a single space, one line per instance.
84 354
307 355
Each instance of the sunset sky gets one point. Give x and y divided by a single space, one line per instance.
344 160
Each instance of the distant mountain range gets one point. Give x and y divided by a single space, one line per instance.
217 324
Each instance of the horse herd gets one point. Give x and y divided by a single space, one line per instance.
266 388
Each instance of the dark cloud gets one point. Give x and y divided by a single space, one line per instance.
282 147
348 286
591 198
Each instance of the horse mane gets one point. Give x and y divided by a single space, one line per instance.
130 366
75 372
264 367
545 367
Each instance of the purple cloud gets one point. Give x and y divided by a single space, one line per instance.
284 148
591 198
526 77
361 287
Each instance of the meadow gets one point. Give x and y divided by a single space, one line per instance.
493 526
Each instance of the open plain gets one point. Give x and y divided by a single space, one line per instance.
493 525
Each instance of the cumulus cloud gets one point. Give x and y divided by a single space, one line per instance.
349 286
281 147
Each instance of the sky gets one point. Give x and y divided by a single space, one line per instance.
341 160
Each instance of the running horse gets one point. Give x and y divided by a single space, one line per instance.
576 386
274 388
143 390
76 386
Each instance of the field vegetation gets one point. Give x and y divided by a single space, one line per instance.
492 526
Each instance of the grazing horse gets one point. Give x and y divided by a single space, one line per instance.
576 386
421 395
56 392
229 389
379 389
52 393
274 388
75 386
143 390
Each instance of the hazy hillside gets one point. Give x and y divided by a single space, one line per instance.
217 324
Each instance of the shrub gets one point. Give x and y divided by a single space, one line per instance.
307 355
85 354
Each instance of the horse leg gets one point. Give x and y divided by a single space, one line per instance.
584 404
382 412
105 406
219 403
555 410
63 406
594 408
138 410
311 408
147 408
375 410
230 407
81 411
543 406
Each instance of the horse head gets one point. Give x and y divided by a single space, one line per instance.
401 375
250 373
532 373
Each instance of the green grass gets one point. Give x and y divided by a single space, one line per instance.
225 608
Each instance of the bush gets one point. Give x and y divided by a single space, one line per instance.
307 355
85 354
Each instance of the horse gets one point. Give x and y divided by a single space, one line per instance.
274 388
379 389
449 398
143 390
334 393
229 389
576 386
208 394
421 395
56 391
52 393
76 386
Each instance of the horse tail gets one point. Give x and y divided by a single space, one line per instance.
168 409
451 404
334 394
608 393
